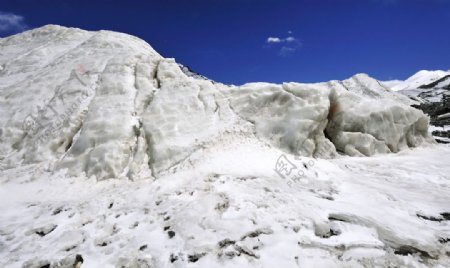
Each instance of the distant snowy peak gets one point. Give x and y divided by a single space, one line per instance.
420 79
443 82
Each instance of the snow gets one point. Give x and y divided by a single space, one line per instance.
232 209
366 86
423 77
391 83
446 115
113 154
424 86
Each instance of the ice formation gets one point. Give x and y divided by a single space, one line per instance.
197 165
107 104
430 91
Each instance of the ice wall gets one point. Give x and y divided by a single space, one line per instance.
106 104
361 125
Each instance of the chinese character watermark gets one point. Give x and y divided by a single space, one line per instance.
47 121
286 169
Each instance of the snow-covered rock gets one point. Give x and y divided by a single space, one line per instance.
108 105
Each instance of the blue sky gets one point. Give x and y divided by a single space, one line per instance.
238 41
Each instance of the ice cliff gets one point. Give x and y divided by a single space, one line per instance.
107 104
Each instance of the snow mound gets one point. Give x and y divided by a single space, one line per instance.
107 105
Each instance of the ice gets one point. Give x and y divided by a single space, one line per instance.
362 126
358 115
183 116
76 94
108 105
430 89
368 87
291 116
111 156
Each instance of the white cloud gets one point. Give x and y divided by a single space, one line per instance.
273 40
10 22
288 45
290 39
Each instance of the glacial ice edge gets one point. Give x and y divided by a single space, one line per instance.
106 104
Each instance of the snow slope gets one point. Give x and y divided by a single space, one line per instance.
206 174
424 86
227 207
423 77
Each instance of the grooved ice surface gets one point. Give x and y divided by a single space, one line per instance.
108 105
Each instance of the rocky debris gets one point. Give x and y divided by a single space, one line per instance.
171 234
45 230
190 73
195 257
437 111
437 82
439 218
257 233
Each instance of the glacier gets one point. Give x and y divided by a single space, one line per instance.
116 108
114 156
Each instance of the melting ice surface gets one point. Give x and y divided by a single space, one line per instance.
111 156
